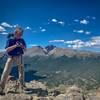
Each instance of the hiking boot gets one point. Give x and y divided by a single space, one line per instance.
26 90
22 88
1 91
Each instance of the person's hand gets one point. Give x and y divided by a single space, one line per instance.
17 44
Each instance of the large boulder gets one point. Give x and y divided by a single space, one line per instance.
72 93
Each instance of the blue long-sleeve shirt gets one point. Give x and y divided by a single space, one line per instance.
18 50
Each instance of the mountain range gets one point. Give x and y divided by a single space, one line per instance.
52 50
55 65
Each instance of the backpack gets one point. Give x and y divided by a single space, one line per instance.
10 36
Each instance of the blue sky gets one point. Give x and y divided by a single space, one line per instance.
65 23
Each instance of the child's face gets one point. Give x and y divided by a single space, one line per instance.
18 34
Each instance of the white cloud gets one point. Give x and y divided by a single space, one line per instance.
15 25
27 28
2 29
32 45
5 24
84 21
87 32
76 46
77 41
4 33
43 30
61 23
93 42
78 31
56 41
82 31
54 20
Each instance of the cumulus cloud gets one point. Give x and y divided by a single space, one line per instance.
4 33
56 41
54 20
5 24
16 25
82 31
58 22
75 44
93 42
84 21
78 43
43 30
87 32
61 23
2 29
32 45
28 28
78 31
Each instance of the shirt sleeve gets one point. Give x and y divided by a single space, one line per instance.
24 43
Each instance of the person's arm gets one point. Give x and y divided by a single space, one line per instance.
8 49
23 45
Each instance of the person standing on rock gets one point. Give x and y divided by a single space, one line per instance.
15 48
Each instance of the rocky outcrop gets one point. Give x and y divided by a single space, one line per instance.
16 97
38 91
72 93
